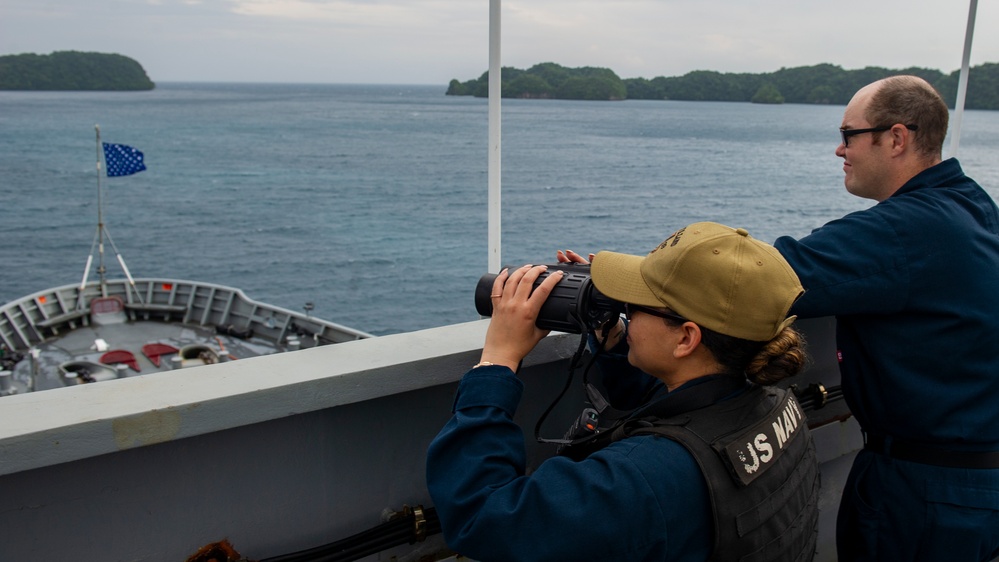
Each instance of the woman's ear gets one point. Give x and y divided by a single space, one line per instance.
689 340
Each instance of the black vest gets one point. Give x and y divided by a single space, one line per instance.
757 457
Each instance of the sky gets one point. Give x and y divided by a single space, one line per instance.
434 41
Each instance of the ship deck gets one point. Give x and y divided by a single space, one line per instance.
91 343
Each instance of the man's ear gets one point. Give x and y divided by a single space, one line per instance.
901 138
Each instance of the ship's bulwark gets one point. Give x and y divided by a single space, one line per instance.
279 453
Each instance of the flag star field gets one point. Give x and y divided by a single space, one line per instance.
122 160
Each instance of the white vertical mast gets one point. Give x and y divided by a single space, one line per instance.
99 238
962 84
495 70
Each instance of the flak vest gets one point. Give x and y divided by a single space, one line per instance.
759 463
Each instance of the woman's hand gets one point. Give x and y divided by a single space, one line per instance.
568 256
512 332
615 332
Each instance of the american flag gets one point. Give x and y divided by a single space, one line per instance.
122 160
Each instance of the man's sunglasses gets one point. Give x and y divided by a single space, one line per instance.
847 133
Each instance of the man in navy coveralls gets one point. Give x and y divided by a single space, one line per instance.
914 284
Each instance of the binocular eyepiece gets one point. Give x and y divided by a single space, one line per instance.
574 305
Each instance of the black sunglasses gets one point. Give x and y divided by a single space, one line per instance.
847 133
630 308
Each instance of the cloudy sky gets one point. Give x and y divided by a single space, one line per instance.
433 41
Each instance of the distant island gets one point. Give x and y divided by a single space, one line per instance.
819 84
72 70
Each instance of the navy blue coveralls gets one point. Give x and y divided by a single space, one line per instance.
914 284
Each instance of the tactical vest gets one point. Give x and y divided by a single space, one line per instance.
759 463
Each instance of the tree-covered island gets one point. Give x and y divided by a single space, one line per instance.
819 84
72 70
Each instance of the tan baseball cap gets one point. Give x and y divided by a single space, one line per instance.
714 275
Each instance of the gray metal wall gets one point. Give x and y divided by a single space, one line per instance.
155 470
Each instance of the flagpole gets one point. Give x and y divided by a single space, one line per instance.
101 270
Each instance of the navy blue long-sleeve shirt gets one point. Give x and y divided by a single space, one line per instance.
639 499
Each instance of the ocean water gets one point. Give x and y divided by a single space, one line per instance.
370 201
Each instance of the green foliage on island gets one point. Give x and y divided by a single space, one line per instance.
72 70
768 93
548 81
818 84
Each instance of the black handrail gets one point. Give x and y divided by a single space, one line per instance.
411 526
